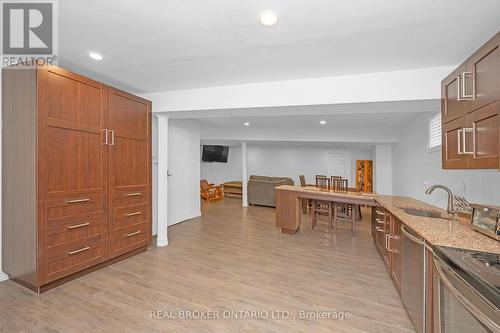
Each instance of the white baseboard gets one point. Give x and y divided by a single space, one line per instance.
161 242
3 276
185 218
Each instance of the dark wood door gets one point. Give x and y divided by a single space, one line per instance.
72 173
484 138
484 69
129 124
395 248
453 156
452 104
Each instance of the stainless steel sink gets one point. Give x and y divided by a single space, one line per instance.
422 212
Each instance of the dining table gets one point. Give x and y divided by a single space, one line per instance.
289 202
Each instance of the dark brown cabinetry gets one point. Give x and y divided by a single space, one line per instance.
76 157
387 236
470 111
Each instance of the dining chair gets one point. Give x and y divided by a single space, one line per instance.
321 207
342 210
306 203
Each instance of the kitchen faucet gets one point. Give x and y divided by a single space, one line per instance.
451 205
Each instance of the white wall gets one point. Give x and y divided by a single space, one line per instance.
382 169
184 167
413 165
292 161
218 173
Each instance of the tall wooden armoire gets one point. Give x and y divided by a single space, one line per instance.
76 175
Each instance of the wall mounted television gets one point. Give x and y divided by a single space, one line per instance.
213 153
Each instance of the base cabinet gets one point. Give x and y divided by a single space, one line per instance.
77 174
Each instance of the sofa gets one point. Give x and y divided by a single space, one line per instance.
261 189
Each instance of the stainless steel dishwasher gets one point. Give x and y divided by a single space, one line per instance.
413 277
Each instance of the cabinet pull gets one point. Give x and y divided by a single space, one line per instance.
379 229
133 194
133 214
379 212
112 137
388 238
379 221
134 233
78 200
464 86
464 140
86 248
106 133
78 225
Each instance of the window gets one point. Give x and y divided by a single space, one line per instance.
434 133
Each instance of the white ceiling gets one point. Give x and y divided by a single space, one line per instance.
159 45
383 121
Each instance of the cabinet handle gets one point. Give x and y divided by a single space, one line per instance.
379 212
379 221
459 92
78 200
133 214
379 229
86 248
106 134
78 225
133 194
464 88
388 238
112 137
459 142
134 233
464 142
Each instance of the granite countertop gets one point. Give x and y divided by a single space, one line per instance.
439 232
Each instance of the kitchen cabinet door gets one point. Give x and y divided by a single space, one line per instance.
484 138
395 248
452 145
452 106
483 69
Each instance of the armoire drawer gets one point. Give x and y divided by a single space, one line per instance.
69 258
74 203
68 230
128 216
130 195
128 239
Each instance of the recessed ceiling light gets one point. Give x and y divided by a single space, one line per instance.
246 124
268 18
95 55
323 122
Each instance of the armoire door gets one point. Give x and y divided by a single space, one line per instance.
72 174
129 124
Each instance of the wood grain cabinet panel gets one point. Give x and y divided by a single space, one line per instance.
452 105
452 145
89 149
484 137
129 117
484 69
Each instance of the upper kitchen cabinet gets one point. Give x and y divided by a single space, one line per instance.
483 75
453 106
470 111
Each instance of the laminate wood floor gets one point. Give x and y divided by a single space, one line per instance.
231 261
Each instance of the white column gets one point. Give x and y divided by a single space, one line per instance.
244 174
162 185
383 169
